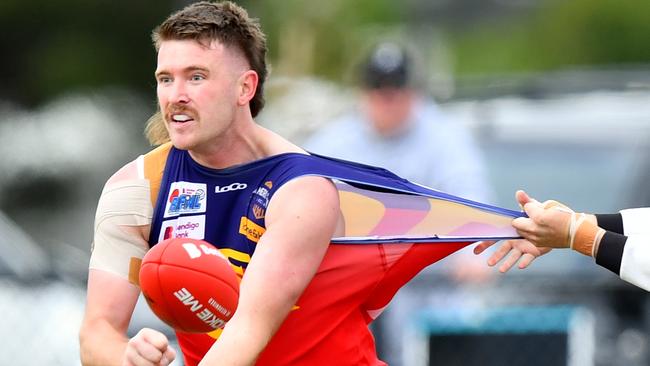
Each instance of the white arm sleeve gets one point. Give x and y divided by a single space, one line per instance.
119 245
635 264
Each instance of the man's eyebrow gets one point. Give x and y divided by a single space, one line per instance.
185 70
195 68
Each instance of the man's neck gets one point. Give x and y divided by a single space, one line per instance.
241 145
238 145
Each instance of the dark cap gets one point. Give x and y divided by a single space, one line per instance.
387 65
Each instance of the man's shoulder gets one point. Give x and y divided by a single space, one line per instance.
151 164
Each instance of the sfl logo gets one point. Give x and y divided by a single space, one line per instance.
232 187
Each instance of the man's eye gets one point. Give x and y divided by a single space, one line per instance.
164 80
198 77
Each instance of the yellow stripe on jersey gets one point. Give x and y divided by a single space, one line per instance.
154 167
235 254
216 333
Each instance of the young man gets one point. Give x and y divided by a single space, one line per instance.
618 242
264 203
207 78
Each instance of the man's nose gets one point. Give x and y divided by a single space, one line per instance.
179 93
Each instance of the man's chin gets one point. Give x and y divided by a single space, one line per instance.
181 144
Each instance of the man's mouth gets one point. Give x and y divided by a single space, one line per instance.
181 118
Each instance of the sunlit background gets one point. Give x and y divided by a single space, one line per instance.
556 92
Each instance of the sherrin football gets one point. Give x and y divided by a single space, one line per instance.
189 285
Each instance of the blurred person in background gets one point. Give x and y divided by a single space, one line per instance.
397 126
619 242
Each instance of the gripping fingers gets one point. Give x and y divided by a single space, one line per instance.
511 260
526 260
516 250
524 226
140 353
530 254
149 348
482 245
500 253
522 198
168 357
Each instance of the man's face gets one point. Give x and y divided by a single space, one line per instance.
388 109
198 87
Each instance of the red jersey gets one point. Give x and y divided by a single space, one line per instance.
360 272
329 325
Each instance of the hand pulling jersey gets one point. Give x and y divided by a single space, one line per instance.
387 219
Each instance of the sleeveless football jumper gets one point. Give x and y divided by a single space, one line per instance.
388 240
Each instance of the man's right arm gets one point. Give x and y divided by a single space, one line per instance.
121 227
109 305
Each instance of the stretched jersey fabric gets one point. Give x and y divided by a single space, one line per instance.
393 229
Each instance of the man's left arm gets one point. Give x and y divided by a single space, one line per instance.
300 221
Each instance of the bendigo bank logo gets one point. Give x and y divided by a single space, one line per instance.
185 197
183 227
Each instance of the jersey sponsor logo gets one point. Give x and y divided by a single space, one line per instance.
269 184
183 227
250 230
262 192
261 196
185 197
231 187
258 211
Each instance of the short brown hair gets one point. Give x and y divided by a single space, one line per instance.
225 22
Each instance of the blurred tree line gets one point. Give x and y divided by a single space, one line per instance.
53 47
559 34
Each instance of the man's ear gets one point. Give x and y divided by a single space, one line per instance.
247 86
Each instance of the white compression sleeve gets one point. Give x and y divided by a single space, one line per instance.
119 245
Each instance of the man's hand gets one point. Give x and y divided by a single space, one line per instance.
548 224
148 348
515 251
553 225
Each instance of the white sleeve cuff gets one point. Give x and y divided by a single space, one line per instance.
635 264
636 221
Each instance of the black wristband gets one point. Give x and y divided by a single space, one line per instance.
610 251
611 222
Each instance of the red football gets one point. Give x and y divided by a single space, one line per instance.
189 285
